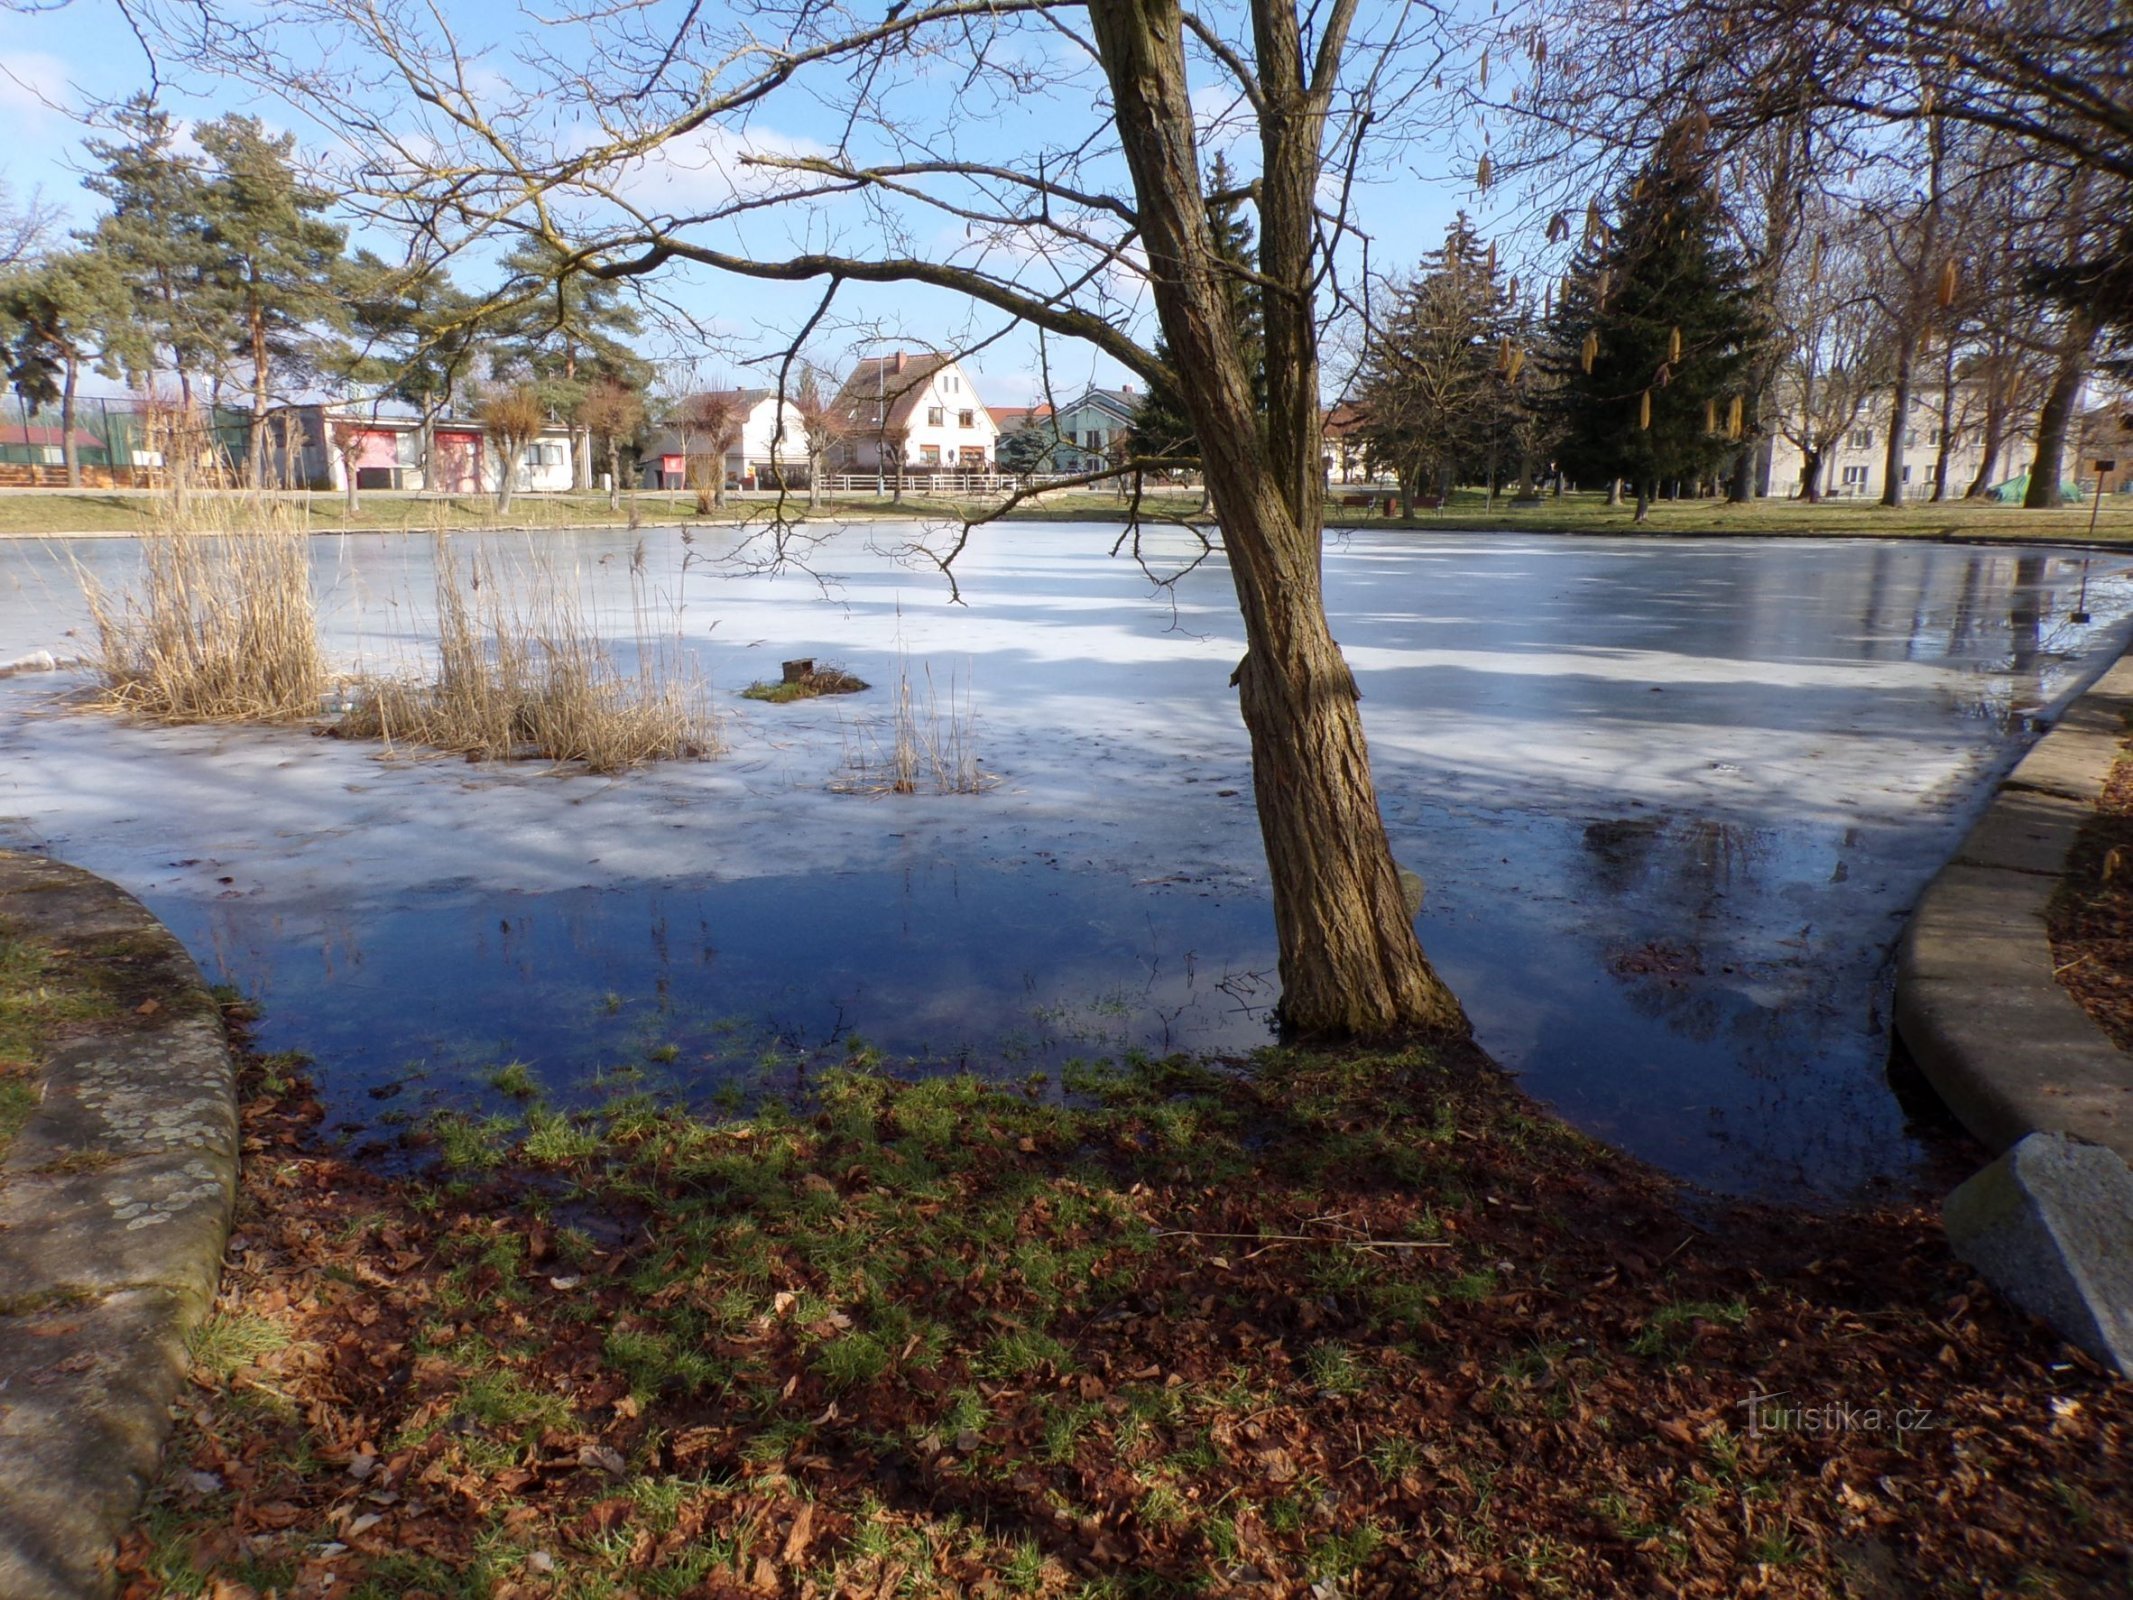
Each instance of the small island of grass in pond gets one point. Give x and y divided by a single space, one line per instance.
803 680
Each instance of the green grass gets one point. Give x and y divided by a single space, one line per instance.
99 511
822 681
224 1344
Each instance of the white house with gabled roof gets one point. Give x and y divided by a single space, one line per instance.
920 408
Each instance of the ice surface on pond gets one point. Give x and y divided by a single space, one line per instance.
1673 799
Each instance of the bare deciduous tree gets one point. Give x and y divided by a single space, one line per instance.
1830 361
612 413
821 429
712 420
512 419
1057 235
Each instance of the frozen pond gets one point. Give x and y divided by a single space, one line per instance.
1673 800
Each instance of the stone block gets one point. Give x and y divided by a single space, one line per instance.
85 1393
154 1220
2050 1225
2026 830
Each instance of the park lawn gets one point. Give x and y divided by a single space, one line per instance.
1589 513
1469 510
1357 1324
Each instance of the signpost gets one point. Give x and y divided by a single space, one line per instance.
2103 470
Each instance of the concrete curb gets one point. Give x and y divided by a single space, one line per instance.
115 1205
1977 1004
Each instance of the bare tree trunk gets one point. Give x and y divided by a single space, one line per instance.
1350 961
1811 476
2055 421
1614 492
1994 442
67 452
614 475
257 452
1899 422
1947 422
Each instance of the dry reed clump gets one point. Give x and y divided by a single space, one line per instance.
537 683
932 745
223 627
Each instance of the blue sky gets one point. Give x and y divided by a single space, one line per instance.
60 62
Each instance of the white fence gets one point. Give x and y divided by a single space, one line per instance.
943 483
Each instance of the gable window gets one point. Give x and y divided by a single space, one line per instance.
934 415
966 419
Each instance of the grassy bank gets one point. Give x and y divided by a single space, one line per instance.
90 511
1364 1325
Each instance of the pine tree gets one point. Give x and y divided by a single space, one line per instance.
1160 427
155 236
67 312
565 331
273 264
418 336
1653 335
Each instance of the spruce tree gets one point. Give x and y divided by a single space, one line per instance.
1653 334
1433 389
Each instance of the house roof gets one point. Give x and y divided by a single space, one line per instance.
1012 417
899 379
38 433
1344 418
1120 403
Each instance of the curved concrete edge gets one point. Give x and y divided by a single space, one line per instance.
1977 1002
115 1206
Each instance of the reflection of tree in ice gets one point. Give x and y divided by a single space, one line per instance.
1695 932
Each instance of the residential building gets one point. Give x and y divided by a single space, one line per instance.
2105 434
917 409
769 443
385 452
1094 429
1343 452
1855 467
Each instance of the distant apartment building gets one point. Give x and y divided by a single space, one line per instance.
919 409
1855 467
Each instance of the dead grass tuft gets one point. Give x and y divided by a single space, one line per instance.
531 679
222 627
931 745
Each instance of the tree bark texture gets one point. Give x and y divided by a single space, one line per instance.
2055 421
1899 423
1350 961
67 452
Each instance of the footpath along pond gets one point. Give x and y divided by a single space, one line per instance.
1673 800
